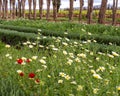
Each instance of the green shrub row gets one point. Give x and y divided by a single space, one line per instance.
103 48
43 31
103 29
14 37
105 39
18 28
63 26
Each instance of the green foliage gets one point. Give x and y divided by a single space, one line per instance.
21 29
66 26
14 37
96 47
102 37
103 30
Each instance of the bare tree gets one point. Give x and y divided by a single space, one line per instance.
48 9
23 8
34 9
54 9
101 18
13 9
58 5
3 9
40 8
81 7
0 8
30 9
71 10
89 12
6 8
16 8
10 8
19 8
114 9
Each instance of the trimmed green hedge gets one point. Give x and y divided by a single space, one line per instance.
104 48
14 37
43 31
20 29
105 39
69 26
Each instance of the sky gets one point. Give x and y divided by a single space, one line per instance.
65 3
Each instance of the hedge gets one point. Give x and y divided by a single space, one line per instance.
105 39
14 37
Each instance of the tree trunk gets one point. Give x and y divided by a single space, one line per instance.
19 8
54 10
6 9
16 10
101 18
89 12
10 8
58 5
3 9
48 9
114 10
71 10
40 8
13 9
23 8
34 9
80 12
0 9
30 9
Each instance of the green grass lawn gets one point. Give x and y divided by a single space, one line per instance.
62 67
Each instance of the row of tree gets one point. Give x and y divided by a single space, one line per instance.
17 9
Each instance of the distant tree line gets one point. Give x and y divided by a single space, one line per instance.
17 9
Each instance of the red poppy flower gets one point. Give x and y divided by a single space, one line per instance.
19 61
37 81
31 75
21 74
28 60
